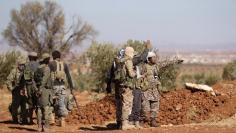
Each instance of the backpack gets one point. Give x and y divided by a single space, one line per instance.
59 74
38 76
119 71
28 73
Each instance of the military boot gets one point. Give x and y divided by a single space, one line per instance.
118 124
52 119
62 122
126 125
40 127
154 123
137 125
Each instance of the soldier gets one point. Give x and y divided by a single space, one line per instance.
29 71
60 76
127 85
16 86
112 79
150 92
42 79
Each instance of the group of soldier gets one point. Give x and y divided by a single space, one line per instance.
39 85
137 84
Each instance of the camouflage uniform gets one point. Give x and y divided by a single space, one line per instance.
60 93
31 89
18 107
150 93
136 93
44 94
126 88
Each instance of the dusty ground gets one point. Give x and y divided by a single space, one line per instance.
178 109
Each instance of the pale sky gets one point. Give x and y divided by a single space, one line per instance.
169 24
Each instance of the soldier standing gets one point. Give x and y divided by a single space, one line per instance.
16 86
44 93
126 88
150 92
112 79
60 76
29 71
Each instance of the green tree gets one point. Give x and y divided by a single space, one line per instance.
100 56
7 62
41 27
138 46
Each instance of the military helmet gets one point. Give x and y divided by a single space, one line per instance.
45 56
33 54
21 61
129 51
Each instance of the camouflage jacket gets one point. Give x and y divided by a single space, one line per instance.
130 73
150 83
44 86
150 80
14 79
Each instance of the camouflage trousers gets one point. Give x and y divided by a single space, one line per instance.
31 100
126 103
150 103
60 106
43 116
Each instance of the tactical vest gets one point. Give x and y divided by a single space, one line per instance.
151 80
28 73
119 71
59 74
38 76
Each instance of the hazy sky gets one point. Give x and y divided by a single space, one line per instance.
170 24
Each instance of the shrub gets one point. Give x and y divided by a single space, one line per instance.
229 72
7 63
100 56
202 78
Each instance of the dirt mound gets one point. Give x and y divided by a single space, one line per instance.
176 107
95 112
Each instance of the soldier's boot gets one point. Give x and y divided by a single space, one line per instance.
154 123
137 125
52 119
62 122
126 125
118 124
40 127
30 117
15 120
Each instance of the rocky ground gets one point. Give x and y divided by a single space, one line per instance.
181 111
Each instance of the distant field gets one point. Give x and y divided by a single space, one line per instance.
196 70
201 68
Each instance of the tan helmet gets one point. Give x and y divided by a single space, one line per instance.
21 61
45 56
33 54
129 51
